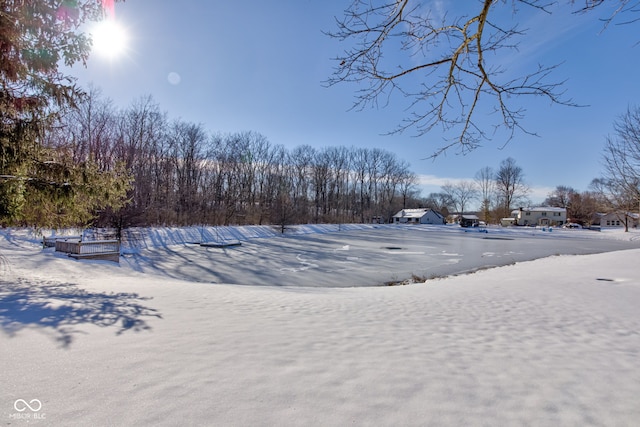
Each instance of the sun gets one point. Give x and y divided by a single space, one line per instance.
109 39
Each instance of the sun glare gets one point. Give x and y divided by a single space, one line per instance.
109 39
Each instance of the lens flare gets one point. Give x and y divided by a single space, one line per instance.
109 38
109 9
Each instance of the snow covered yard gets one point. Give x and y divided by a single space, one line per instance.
548 342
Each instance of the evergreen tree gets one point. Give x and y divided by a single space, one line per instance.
40 185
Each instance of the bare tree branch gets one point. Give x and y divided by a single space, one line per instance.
446 68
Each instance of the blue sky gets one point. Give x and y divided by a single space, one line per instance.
260 66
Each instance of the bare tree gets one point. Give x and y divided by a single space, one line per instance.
620 184
339 162
570 199
188 142
461 193
360 159
89 129
622 152
408 188
560 197
301 160
441 202
141 131
320 180
485 180
446 67
510 185
583 207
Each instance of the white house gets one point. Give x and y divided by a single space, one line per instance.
418 216
617 219
541 215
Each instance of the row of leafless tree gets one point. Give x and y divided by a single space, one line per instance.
183 175
501 190
497 191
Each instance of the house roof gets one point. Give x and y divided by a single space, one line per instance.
629 214
540 209
472 217
415 213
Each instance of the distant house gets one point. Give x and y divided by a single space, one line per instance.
468 220
617 219
542 215
507 222
418 216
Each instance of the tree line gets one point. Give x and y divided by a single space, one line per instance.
181 174
617 190
184 175
67 158
497 192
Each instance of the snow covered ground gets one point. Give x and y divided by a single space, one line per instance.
553 341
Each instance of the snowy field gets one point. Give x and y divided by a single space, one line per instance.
554 341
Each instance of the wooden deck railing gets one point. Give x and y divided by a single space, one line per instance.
50 242
97 249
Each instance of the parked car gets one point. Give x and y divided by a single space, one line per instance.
572 225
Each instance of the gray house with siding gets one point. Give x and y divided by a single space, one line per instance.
618 219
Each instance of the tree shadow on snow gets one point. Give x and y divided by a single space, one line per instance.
61 306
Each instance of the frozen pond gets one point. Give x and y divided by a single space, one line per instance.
367 257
